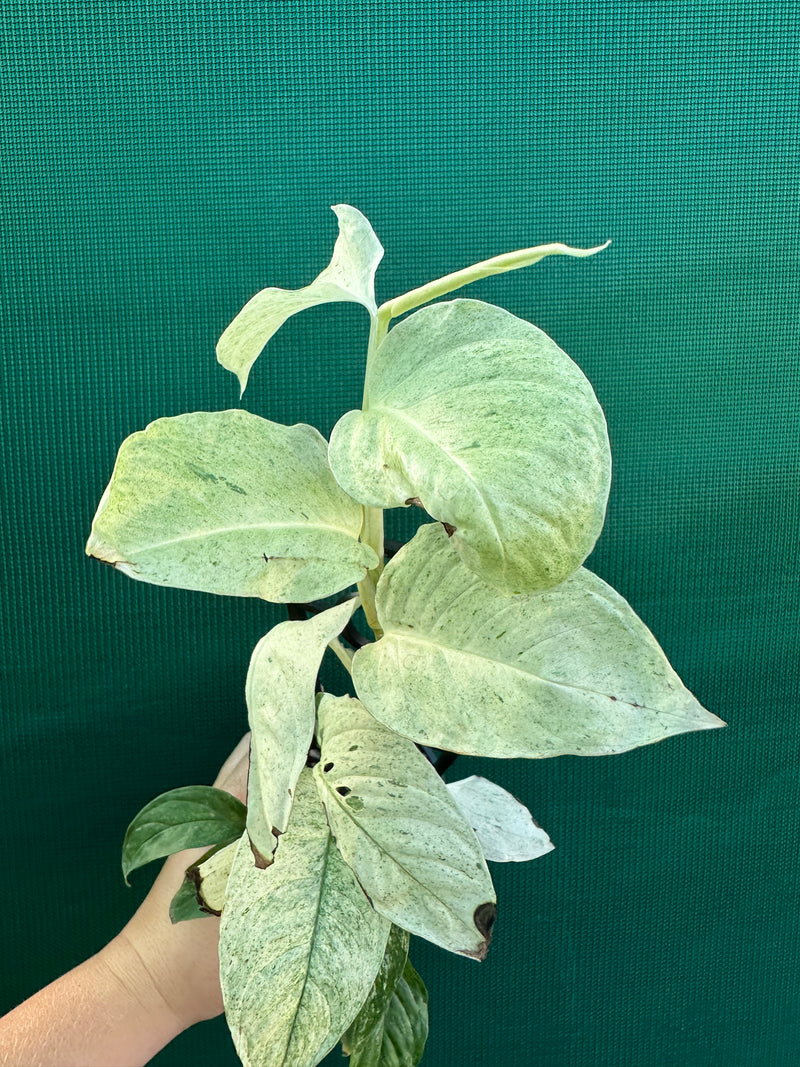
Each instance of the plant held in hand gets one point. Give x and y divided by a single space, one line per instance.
489 637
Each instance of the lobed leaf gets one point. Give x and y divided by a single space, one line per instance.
281 709
504 826
464 668
350 276
188 817
392 1027
227 502
490 426
397 826
299 944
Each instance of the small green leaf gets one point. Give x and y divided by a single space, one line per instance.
400 830
202 891
504 826
392 1027
350 276
299 944
483 420
464 668
188 817
184 905
227 502
281 708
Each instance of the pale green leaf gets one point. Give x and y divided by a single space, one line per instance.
281 708
464 668
299 944
392 1027
482 419
188 817
227 502
202 891
350 276
504 826
401 832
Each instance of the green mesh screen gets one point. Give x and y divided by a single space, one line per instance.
163 161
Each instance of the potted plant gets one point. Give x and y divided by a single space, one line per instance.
484 634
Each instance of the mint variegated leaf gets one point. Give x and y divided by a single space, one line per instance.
350 276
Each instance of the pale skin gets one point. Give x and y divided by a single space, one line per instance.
147 985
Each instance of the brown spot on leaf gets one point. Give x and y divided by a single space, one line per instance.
343 790
415 500
261 861
484 917
193 874
448 529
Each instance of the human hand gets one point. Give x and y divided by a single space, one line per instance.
181 960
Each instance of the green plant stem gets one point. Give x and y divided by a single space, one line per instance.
344 655
523 257
372 534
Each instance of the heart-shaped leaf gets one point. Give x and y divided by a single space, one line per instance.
392 1027
281 708
299 944
188 817
464 668
227 502
482 419
504 826
350 276
400 830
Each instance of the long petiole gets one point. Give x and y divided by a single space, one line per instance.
523 257
344 655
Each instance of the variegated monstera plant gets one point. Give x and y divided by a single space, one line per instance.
488 637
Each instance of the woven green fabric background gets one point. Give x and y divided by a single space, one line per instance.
163 161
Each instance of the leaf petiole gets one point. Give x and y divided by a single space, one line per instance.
523 257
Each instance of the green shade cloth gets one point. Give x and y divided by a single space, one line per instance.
163 161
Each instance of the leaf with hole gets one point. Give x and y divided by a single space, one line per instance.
400 830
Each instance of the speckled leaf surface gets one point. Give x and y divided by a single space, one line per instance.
503 825
299 944
227 502
481 417
464 668
349 276
281 708
400 830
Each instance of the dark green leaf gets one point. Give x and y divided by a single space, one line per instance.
373 1012
398 1038
188 817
